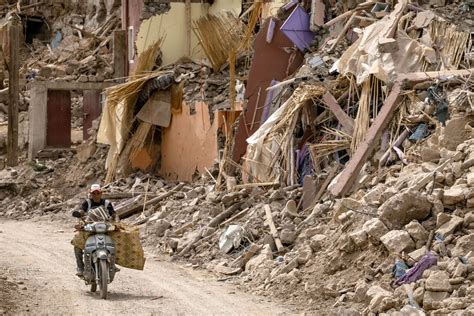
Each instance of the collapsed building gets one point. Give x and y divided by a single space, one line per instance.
318 151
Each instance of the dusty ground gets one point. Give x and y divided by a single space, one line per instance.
38 261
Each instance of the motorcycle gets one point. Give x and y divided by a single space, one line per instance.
99 256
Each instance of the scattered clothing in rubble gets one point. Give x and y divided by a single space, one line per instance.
438 98
417 270
399 269
421 132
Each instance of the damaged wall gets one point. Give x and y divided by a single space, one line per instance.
189 143
172 26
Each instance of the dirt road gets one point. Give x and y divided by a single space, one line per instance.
42 261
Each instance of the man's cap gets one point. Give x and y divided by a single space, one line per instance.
96 188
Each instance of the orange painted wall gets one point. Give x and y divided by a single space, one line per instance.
189 143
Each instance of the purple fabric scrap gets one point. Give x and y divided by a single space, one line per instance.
414 274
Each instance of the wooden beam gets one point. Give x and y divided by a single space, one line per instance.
353 167
273 230
137 205
188 17
13 91
343 32
322 189
346 121
417 77
120 54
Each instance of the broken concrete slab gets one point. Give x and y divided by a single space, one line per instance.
438 281
432 300
404 207
375 228
397 241
455 194
416 231
464 245
448 228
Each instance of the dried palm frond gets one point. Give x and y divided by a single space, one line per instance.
138 139
453 43
218 35
147 59
362 121
246 42
274 151
328 147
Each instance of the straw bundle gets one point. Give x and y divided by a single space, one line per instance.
362 120
328 147
453 43
139 138
246 42
278 142
218 34
127 93
147 59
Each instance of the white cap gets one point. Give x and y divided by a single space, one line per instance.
96 187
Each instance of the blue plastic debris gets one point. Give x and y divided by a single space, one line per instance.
420 132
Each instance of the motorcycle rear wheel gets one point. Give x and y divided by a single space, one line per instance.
103 272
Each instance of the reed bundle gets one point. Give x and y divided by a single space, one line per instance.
282 132
218 34
453 43
139 138
342 141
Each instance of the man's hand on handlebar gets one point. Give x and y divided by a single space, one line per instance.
79 227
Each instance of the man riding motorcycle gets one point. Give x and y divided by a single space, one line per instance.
93 203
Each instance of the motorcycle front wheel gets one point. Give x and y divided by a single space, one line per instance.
103 273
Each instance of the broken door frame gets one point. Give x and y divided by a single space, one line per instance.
37 113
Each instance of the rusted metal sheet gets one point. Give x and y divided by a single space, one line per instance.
58 126
271 62
91 110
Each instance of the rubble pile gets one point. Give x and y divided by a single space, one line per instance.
341 255
54 183
81 48
202 84
355 191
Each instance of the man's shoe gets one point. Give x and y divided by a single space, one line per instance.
80 274
117 269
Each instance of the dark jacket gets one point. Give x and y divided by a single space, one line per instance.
89 204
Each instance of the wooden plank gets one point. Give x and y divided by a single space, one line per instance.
137 206
188 17
125 195
216 221
343 32
273 230
120 54
243 259
353 167
346 121
425 180
235 216
325 184
417 77
13 91
255 185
